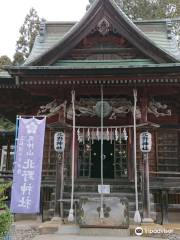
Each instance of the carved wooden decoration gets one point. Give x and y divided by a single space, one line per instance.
103 27
86 107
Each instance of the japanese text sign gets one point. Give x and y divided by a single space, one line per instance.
145 142
59 142
28 166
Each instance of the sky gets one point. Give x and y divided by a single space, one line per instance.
13 12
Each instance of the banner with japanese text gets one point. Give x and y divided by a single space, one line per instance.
25 196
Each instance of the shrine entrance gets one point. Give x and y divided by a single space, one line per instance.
108 156
115 163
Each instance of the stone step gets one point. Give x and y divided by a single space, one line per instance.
94 188
130 196
104 232
90 180
131 213
132 206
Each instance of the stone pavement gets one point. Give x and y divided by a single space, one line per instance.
23 230
29 230
76 237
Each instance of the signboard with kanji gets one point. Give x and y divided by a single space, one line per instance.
145 142
59 142
25 195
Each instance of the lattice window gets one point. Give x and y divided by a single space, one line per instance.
84 159
7 157
168 151
120 158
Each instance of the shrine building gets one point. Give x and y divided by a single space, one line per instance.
124 79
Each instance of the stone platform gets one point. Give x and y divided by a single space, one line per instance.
75 237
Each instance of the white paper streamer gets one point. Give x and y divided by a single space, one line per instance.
88 135
97 134
116 135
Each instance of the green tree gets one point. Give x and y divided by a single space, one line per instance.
149 9
28 33
5 215
4 60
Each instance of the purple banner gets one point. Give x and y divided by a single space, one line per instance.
25 195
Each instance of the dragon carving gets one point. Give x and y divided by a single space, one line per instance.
120 107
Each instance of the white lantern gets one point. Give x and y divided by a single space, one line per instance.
59 142
145 142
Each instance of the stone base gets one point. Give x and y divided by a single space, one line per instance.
104 232
68 229
48 227
24 217
58 220
115 212
147 220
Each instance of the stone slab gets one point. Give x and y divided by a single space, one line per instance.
75 237
116 212
48 227
104 232
68 229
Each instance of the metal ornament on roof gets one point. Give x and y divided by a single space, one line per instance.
107 109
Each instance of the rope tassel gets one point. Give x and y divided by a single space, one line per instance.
71 215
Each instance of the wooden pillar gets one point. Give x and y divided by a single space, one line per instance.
144 107
145 170
58 184
146 193
164 206
62 188
60 169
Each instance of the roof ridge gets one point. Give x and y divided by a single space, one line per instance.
80 27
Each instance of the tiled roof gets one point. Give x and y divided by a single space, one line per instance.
157 31
4 74
6 80
154 31
54 32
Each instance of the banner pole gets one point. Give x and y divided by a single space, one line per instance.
16 137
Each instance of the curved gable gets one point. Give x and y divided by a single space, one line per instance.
104 15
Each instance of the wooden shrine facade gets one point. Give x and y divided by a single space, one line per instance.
104 49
